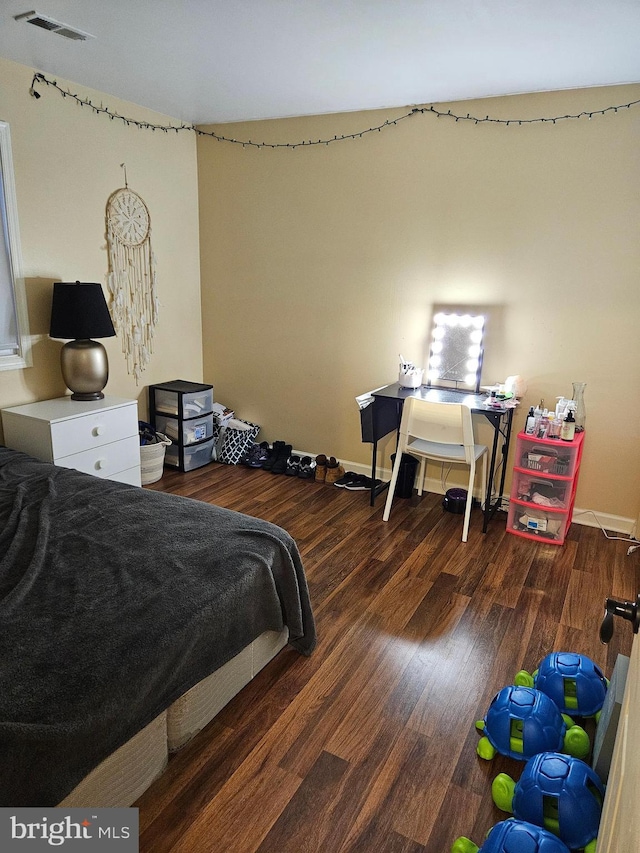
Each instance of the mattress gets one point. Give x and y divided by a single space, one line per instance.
127 773
198 706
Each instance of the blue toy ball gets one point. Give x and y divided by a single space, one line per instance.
522 722
563 794
574 683
515 836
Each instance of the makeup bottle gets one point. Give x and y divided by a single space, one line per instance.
568 430
530 425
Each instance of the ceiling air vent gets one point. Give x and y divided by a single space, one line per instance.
47 23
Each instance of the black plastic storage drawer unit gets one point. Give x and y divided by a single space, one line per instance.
183 411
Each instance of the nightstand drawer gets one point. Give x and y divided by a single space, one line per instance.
93 430
106 460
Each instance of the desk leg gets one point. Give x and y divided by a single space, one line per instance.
492 465
374 465
505 454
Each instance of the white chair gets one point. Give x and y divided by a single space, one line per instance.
442 432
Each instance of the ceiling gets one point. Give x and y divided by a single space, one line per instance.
207 61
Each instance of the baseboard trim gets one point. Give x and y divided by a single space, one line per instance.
585 517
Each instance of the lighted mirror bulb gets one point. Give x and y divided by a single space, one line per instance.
476 336
436 346
435 361
478 322
438 333
474 351
433 375
472 364
439 319
452 320
470 378
465 321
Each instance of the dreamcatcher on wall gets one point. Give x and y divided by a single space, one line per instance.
132 277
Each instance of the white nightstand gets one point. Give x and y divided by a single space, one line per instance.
98 437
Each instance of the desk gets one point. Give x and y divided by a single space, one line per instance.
387 412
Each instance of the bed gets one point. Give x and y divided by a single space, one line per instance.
128 618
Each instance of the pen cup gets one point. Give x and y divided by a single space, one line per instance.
412 379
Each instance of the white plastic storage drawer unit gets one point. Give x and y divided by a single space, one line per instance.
192 431
193 455
183 412
182 399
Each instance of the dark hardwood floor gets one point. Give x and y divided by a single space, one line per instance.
369 744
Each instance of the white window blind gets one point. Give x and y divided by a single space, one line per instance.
14 332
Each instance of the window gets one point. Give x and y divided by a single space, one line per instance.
14 332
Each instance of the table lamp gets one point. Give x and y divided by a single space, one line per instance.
79 312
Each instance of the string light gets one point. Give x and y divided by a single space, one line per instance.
248 143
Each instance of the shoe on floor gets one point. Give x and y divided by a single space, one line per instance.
334 471
307 470
257 455
346 478
284 452
361 483
273 455
321 468
293 466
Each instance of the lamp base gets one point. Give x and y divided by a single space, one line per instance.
77 396
85 368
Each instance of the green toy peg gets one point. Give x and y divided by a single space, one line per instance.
503 790
576 742
523 679
464 845
485 749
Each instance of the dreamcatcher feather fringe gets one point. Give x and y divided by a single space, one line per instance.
134 301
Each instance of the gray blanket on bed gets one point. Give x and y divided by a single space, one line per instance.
115 600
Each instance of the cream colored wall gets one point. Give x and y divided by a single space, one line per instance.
320 264
67 163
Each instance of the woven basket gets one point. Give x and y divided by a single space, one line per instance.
152 459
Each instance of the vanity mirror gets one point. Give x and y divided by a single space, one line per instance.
455 353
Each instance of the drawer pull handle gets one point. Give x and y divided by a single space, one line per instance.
100 464
98 430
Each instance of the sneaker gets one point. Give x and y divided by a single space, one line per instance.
346 478
293 466
307 469
361 483
255 456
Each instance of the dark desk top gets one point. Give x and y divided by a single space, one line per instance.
476 402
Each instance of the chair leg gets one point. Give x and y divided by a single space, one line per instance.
392 485
422 474
467 510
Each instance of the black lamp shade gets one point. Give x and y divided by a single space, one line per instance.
79 312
